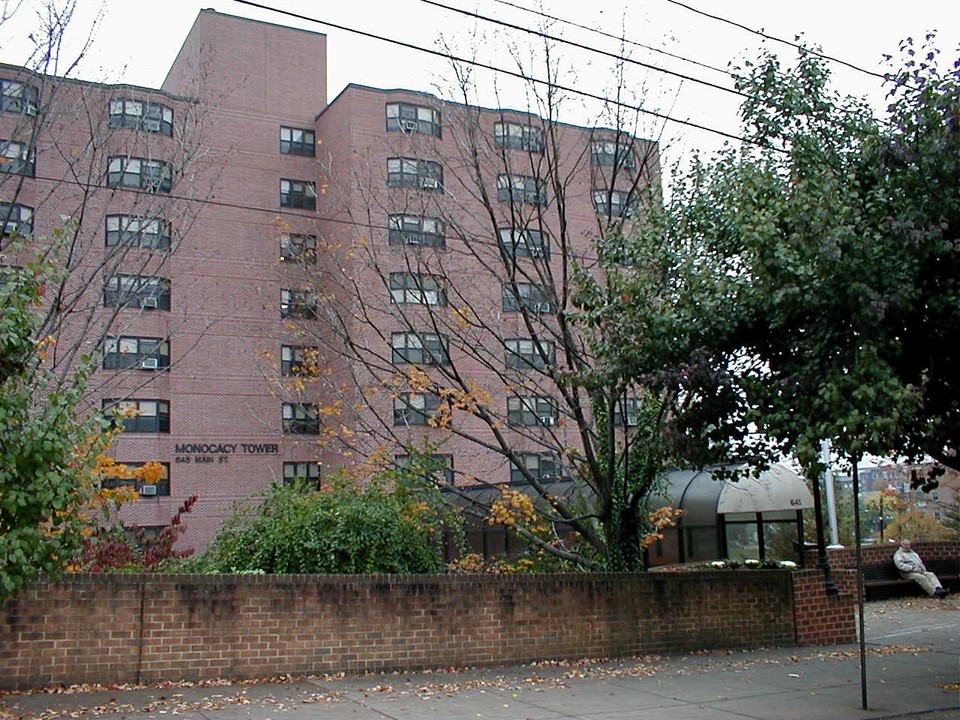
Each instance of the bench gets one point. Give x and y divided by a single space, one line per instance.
884 579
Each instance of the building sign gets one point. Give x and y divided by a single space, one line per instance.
220 452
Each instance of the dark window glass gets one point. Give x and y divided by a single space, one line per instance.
517 136
415 408
140 174
413 173
144 232
531 411
420 349
416 230
296 141
151 293
142 353
300 419
141 115
301 194
417 289
139 416
409 118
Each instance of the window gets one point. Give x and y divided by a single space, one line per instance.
632 406
525 353
531 411
299 360
614 203
300 194
618 154
144 232
415 408
526 296
144 353
300 419
141 115
295 141
417 289
524 243
541 466
18 97
298 304
162 486
299 248
518 137
435 467
416 230
404 117
420 349
16 219
139 416
140 174
16 158
307 473
137 291
522 189
412 173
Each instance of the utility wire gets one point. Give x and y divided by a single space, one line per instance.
762 34
618 38
511 73
580 46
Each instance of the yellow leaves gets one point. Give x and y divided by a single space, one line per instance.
660 519
511 508
150 473
334 409
418 380
43 344
463 316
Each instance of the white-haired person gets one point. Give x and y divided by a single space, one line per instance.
911 567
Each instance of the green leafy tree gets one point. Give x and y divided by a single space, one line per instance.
829 251
47 451
383 525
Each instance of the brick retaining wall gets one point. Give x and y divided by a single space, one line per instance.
148 628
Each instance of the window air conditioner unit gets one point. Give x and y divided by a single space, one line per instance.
536 252
148 490
541 308
408 125
430 183
149 302
30 110
151 125
548 421
150 363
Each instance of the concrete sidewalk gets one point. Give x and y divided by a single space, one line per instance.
913 671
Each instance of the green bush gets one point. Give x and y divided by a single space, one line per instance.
347 528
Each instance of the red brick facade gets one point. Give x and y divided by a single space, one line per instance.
235 87
150 628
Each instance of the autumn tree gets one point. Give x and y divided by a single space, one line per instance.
467 300
88 223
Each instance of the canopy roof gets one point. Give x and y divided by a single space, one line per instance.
703 498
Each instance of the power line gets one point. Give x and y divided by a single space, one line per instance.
762 34
580 46
511 73
618 38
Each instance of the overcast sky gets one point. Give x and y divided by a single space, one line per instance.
135 42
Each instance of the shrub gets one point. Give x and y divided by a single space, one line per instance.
346 528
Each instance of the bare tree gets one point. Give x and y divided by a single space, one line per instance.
462 304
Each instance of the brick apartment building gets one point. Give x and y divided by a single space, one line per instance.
278 286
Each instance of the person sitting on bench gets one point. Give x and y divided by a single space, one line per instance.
911 567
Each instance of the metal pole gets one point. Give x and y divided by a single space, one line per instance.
822 562
856 540
831 494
